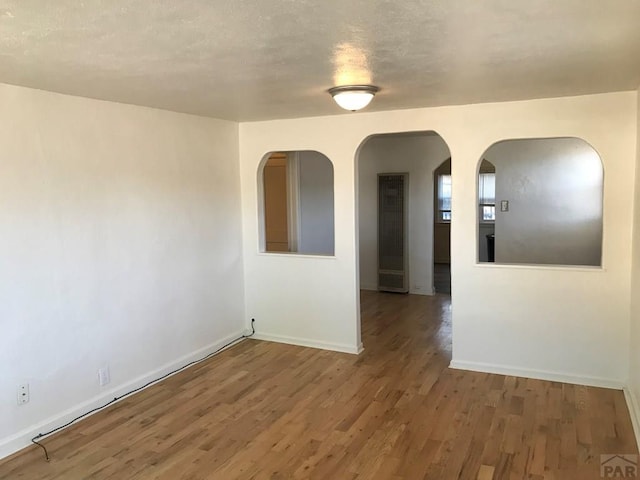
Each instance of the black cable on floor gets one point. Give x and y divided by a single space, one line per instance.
35 439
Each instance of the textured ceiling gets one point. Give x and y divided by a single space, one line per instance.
263 59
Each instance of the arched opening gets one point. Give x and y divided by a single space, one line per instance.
397 207
296 203
543 202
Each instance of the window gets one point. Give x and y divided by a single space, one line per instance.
487 196
444 198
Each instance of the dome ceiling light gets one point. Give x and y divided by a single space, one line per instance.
353 97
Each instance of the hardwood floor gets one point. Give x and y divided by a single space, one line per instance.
269 411
442 278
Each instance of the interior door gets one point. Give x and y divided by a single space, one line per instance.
276 211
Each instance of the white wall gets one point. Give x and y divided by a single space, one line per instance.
554 190
564 323
634 357
418 155
120 245
315 182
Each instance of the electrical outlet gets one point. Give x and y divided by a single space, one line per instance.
23 394
103 376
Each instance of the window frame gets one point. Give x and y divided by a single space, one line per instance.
482 205
440 212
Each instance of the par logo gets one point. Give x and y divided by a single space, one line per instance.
618 466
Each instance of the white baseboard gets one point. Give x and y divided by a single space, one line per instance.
22 439
426 293
537 374
305 342
634 411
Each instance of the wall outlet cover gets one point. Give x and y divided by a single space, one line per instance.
103 376
23 394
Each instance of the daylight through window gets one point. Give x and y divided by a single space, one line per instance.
487 196
444 198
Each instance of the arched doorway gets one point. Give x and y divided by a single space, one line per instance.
414 156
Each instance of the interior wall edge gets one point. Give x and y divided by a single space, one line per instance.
634 411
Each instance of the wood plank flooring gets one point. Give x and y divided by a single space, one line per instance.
268 411
442 278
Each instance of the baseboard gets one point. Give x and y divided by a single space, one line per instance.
426 293
634 411
305 342
537 374
22 439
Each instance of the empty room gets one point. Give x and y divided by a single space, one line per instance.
319 240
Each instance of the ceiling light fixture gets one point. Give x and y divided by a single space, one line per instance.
353 97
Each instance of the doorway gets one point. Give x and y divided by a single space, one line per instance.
442 228
276 203
416 155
